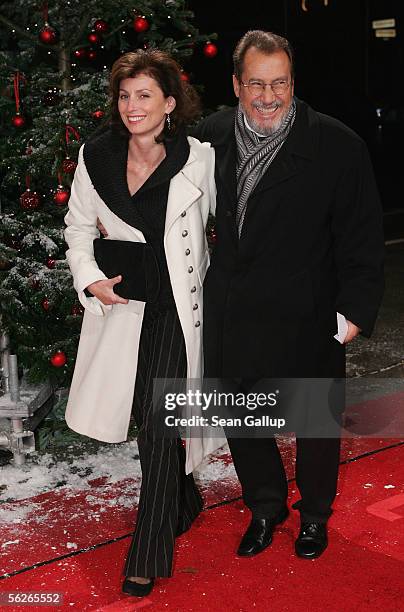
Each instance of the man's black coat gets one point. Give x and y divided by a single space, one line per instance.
311 245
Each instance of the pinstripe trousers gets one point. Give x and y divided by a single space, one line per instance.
169 499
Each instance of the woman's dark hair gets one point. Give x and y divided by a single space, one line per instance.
267 42
167 72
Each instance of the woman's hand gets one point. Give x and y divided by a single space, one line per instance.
104 291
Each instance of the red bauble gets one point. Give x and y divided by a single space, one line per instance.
91 54
45 304
50 262
29 200
94 38
141 24
185 76
98 114
48 35
18 121
80 53
210 50
101 26
77 310
58 359
61 196
69 165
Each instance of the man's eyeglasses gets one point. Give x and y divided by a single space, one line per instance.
257 88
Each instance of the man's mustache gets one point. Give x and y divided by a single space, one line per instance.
261 106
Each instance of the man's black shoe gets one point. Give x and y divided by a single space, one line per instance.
312 540
259 534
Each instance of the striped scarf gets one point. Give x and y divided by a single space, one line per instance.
254 155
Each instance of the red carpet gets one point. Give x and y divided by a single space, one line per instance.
361 570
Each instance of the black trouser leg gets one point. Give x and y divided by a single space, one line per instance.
317 462
261 473
151 550
167 493
191 503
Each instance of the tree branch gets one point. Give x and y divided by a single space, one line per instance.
26 34
81 30
122 25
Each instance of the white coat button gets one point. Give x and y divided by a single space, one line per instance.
195 307
184 233
190 269
183 214
193 289
197 324
187 252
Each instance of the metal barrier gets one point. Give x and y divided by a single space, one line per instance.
22 407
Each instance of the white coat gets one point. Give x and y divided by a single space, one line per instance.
101 392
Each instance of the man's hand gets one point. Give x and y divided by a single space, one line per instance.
102 228
104 291
353 331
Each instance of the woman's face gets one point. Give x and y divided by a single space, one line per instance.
142 105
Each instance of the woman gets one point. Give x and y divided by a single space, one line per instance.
146 182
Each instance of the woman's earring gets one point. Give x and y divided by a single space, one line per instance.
168 121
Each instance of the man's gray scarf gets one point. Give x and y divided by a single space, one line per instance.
254 155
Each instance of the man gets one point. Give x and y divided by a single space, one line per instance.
299 239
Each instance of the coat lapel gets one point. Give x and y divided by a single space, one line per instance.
299 148
226 159
182 193
227 163
106 158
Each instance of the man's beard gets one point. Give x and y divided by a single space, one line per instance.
267 130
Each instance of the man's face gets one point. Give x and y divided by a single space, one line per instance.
264 111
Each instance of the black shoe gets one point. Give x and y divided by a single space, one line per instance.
259 534
135 588
312 540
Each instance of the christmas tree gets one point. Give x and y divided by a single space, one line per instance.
54 66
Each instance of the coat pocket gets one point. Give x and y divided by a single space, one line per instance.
133 306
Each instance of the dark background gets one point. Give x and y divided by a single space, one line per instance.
342 69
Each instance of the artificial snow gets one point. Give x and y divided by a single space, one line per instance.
113 463
110 464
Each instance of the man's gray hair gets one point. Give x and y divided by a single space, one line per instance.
267 42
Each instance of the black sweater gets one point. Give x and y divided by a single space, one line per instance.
151 203
105 156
